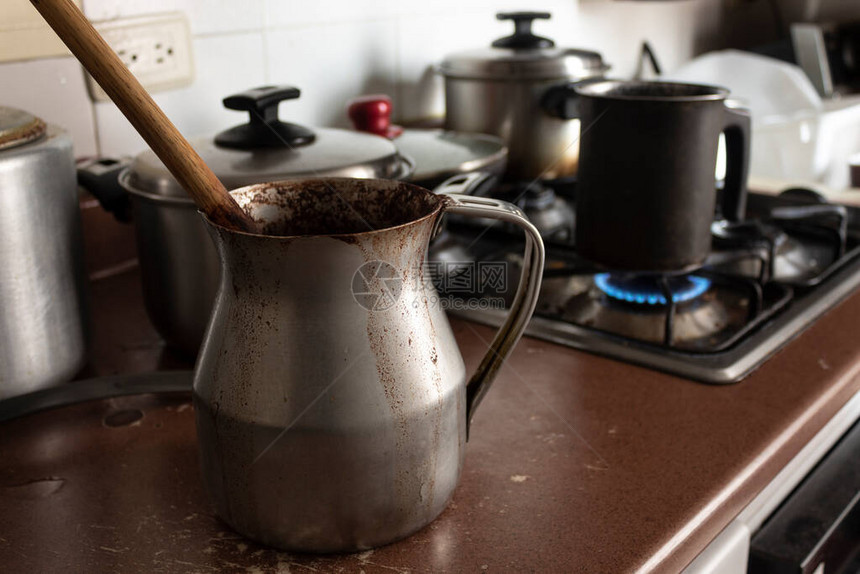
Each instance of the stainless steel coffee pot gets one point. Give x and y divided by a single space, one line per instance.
331 398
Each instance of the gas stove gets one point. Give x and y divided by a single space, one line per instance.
768 278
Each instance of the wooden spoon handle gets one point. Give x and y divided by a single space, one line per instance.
134 102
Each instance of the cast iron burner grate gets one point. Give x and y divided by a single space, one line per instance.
704 313
767 279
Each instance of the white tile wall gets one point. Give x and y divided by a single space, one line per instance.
330 64
676 30
224 65
205 16
336 49
54 90
297 13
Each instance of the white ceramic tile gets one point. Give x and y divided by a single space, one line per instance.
293 13
297 13
205 17
225 65
675 30
54 90
422 45
451 8
331 64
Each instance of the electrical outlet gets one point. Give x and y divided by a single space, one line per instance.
156 49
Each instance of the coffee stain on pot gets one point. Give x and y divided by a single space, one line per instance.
326 207
391 333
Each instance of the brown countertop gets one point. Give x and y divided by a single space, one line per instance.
576 463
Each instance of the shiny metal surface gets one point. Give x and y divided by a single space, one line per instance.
334 153
179 268
500 91
42 333
18 127
179 264
539 146
439 154
507 64
328 421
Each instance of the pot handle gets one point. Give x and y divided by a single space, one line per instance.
562 101
737 131
524 301
100 177
264 130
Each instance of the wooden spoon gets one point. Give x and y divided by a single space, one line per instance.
134 102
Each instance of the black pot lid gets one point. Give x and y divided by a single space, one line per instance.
18 127
266 149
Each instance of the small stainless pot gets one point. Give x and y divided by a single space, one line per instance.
521 89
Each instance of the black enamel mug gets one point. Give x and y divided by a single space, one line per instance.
646 195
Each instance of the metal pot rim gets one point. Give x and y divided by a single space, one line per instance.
603 89
441 200
126 178
523 65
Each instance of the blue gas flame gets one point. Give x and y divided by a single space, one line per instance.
645 292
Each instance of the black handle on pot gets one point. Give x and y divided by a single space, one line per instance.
737 133
100 177
561 101
264 129
523 38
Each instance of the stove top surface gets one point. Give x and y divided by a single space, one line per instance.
767 279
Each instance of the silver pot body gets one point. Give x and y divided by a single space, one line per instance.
521 90
42 303
179 265
179 268
330 396
540 146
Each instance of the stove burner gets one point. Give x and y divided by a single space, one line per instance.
767 278
550 214
797 253
647 289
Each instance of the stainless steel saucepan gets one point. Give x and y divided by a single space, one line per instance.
178 262
522 90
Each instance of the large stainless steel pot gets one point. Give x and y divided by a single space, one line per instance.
521 89
179 264
42 325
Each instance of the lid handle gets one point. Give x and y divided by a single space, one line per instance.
522 38
264 129
372 114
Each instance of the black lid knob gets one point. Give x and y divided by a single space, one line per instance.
264 129
522 38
